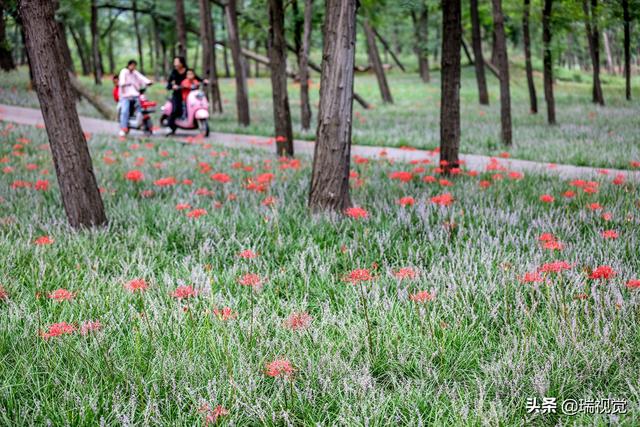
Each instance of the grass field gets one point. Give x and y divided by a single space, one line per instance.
585 135
427 311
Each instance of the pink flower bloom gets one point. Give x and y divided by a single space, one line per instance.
43 240
602 272
196 213
445 199
90 326
225 313
406 201
61 295
58 329
136 285
222 178
633 284
250 279
406 273
609 234
134 176
184 292
280 368
247 254
421 297
298 321
359 275
555 267
531 277
356 212
547 198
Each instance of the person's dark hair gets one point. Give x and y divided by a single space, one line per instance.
182 60
132 62
115 77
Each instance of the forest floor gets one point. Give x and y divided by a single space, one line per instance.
437 301
587 135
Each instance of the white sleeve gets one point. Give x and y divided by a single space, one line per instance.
122 77
142 78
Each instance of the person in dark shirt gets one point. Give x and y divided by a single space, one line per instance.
174 82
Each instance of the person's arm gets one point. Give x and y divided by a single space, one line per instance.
142 78
122 78
171 79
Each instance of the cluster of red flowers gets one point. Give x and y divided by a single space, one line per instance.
64 328
298 321
280 368
359 275
184 291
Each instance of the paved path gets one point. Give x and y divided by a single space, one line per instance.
32 116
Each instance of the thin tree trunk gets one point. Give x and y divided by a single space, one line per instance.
476 41
421 47
242 96
110 55
548 64
6 60
607 51
627 48
376 63
533 99
329 188
207 38
278 60
84 62
74 170
303 65
593 37
502 62
181 29
225 53
450 84
95 44
158 70
151 47
136 26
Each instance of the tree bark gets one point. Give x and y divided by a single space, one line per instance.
209 69
6 60
303 65
74 170
329 190
95 44
607 51
136 26
94 100
502 62
421 35
593 37
225 53
278 59
376 63
533 99
181 29
627 48
548 64
450 84
242 96
158 70
476 41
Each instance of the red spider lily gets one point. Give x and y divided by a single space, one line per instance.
429 179
609 234
20 184
134 176
90 326
43 240
406 201
504 155
183 292
147 193
484 184
356 212
401 176
619 179
515 175
602 272
196 213
555 267
250 279
58 329
212 415
578 183
247 254
546 237
607 216
269 201
359 275
4 295
569 194
204 192
405 273
547 198
553 245
595 206
445 182
183 206
225 313
298 321
42 185
61 295
136 285
421 297
635 163
633 284
359 160
222 178
531 277
280 368
166 182
445 199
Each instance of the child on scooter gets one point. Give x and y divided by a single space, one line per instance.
188 84
116 91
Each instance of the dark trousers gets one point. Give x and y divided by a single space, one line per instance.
176 111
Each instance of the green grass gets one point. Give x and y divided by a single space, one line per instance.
471 356
586 134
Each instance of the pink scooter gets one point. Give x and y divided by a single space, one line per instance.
197 114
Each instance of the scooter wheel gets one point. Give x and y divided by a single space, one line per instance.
148 127
203 127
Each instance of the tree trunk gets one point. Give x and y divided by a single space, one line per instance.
278 60
533 99
627 48
151 46
593 37
6 60
548 64
66 52
95 44
136 26
303 65
502 62
209 69
607 51
330 174
450 84
158 70
421 47
77 182
225 54
110 56
181 29
476 41
376 63
84 61
242 96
